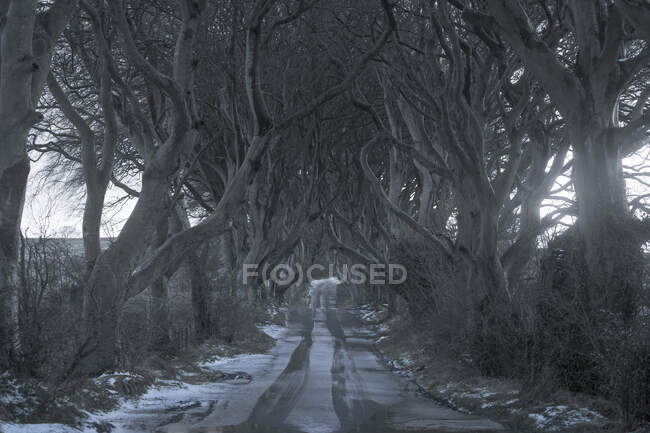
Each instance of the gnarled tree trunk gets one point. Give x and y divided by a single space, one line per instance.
587 95
611 247
13 181
26 47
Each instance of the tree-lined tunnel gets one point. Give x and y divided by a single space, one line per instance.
495 151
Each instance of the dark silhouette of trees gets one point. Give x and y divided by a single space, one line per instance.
453 136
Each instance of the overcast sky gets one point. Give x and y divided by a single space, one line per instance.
53 211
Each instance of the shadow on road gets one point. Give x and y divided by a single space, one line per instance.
334 383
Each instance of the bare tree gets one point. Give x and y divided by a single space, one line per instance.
97 166
28 40
115 276
586 78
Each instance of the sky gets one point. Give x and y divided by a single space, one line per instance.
52 211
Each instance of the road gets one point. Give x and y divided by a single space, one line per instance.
322 377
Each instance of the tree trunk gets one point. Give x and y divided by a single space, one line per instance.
611 247
159 298
426 195
13 182
253 284
200 298
493 287
477 244
588 96
530 218
106 288
196 264
25 53
395 169
91 226
396 181
17 116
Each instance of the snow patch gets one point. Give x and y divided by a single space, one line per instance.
382 338
273 331
559 417
242 362
383 328
13 395
478 393
36 428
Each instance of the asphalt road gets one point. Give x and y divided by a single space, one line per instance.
322 377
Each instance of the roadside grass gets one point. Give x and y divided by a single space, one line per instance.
452 381
28 401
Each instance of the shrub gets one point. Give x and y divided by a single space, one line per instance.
584 345
432 285
51 278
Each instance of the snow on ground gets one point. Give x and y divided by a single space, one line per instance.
369 316
12 394
111 378
36 428
384 328
170 397
560 417
470 397
273 331
479 393
375 315
403 364
218 362
240 361
163 395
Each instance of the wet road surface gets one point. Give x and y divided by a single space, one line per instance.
323 377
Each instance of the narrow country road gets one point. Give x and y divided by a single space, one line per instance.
322 377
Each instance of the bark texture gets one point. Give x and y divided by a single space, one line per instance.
26 47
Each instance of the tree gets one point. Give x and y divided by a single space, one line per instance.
470 128
119 273
97 166
29 36
585 76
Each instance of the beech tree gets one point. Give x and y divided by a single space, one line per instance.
586 76
97 166
479 144
118 273
28 38
468 141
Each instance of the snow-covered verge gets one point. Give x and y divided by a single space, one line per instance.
455 383
93 405
36 428
559 417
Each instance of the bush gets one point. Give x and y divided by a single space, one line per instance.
499 344
432 285
447 311
564 340
583 346
630 377
50 300
233 319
